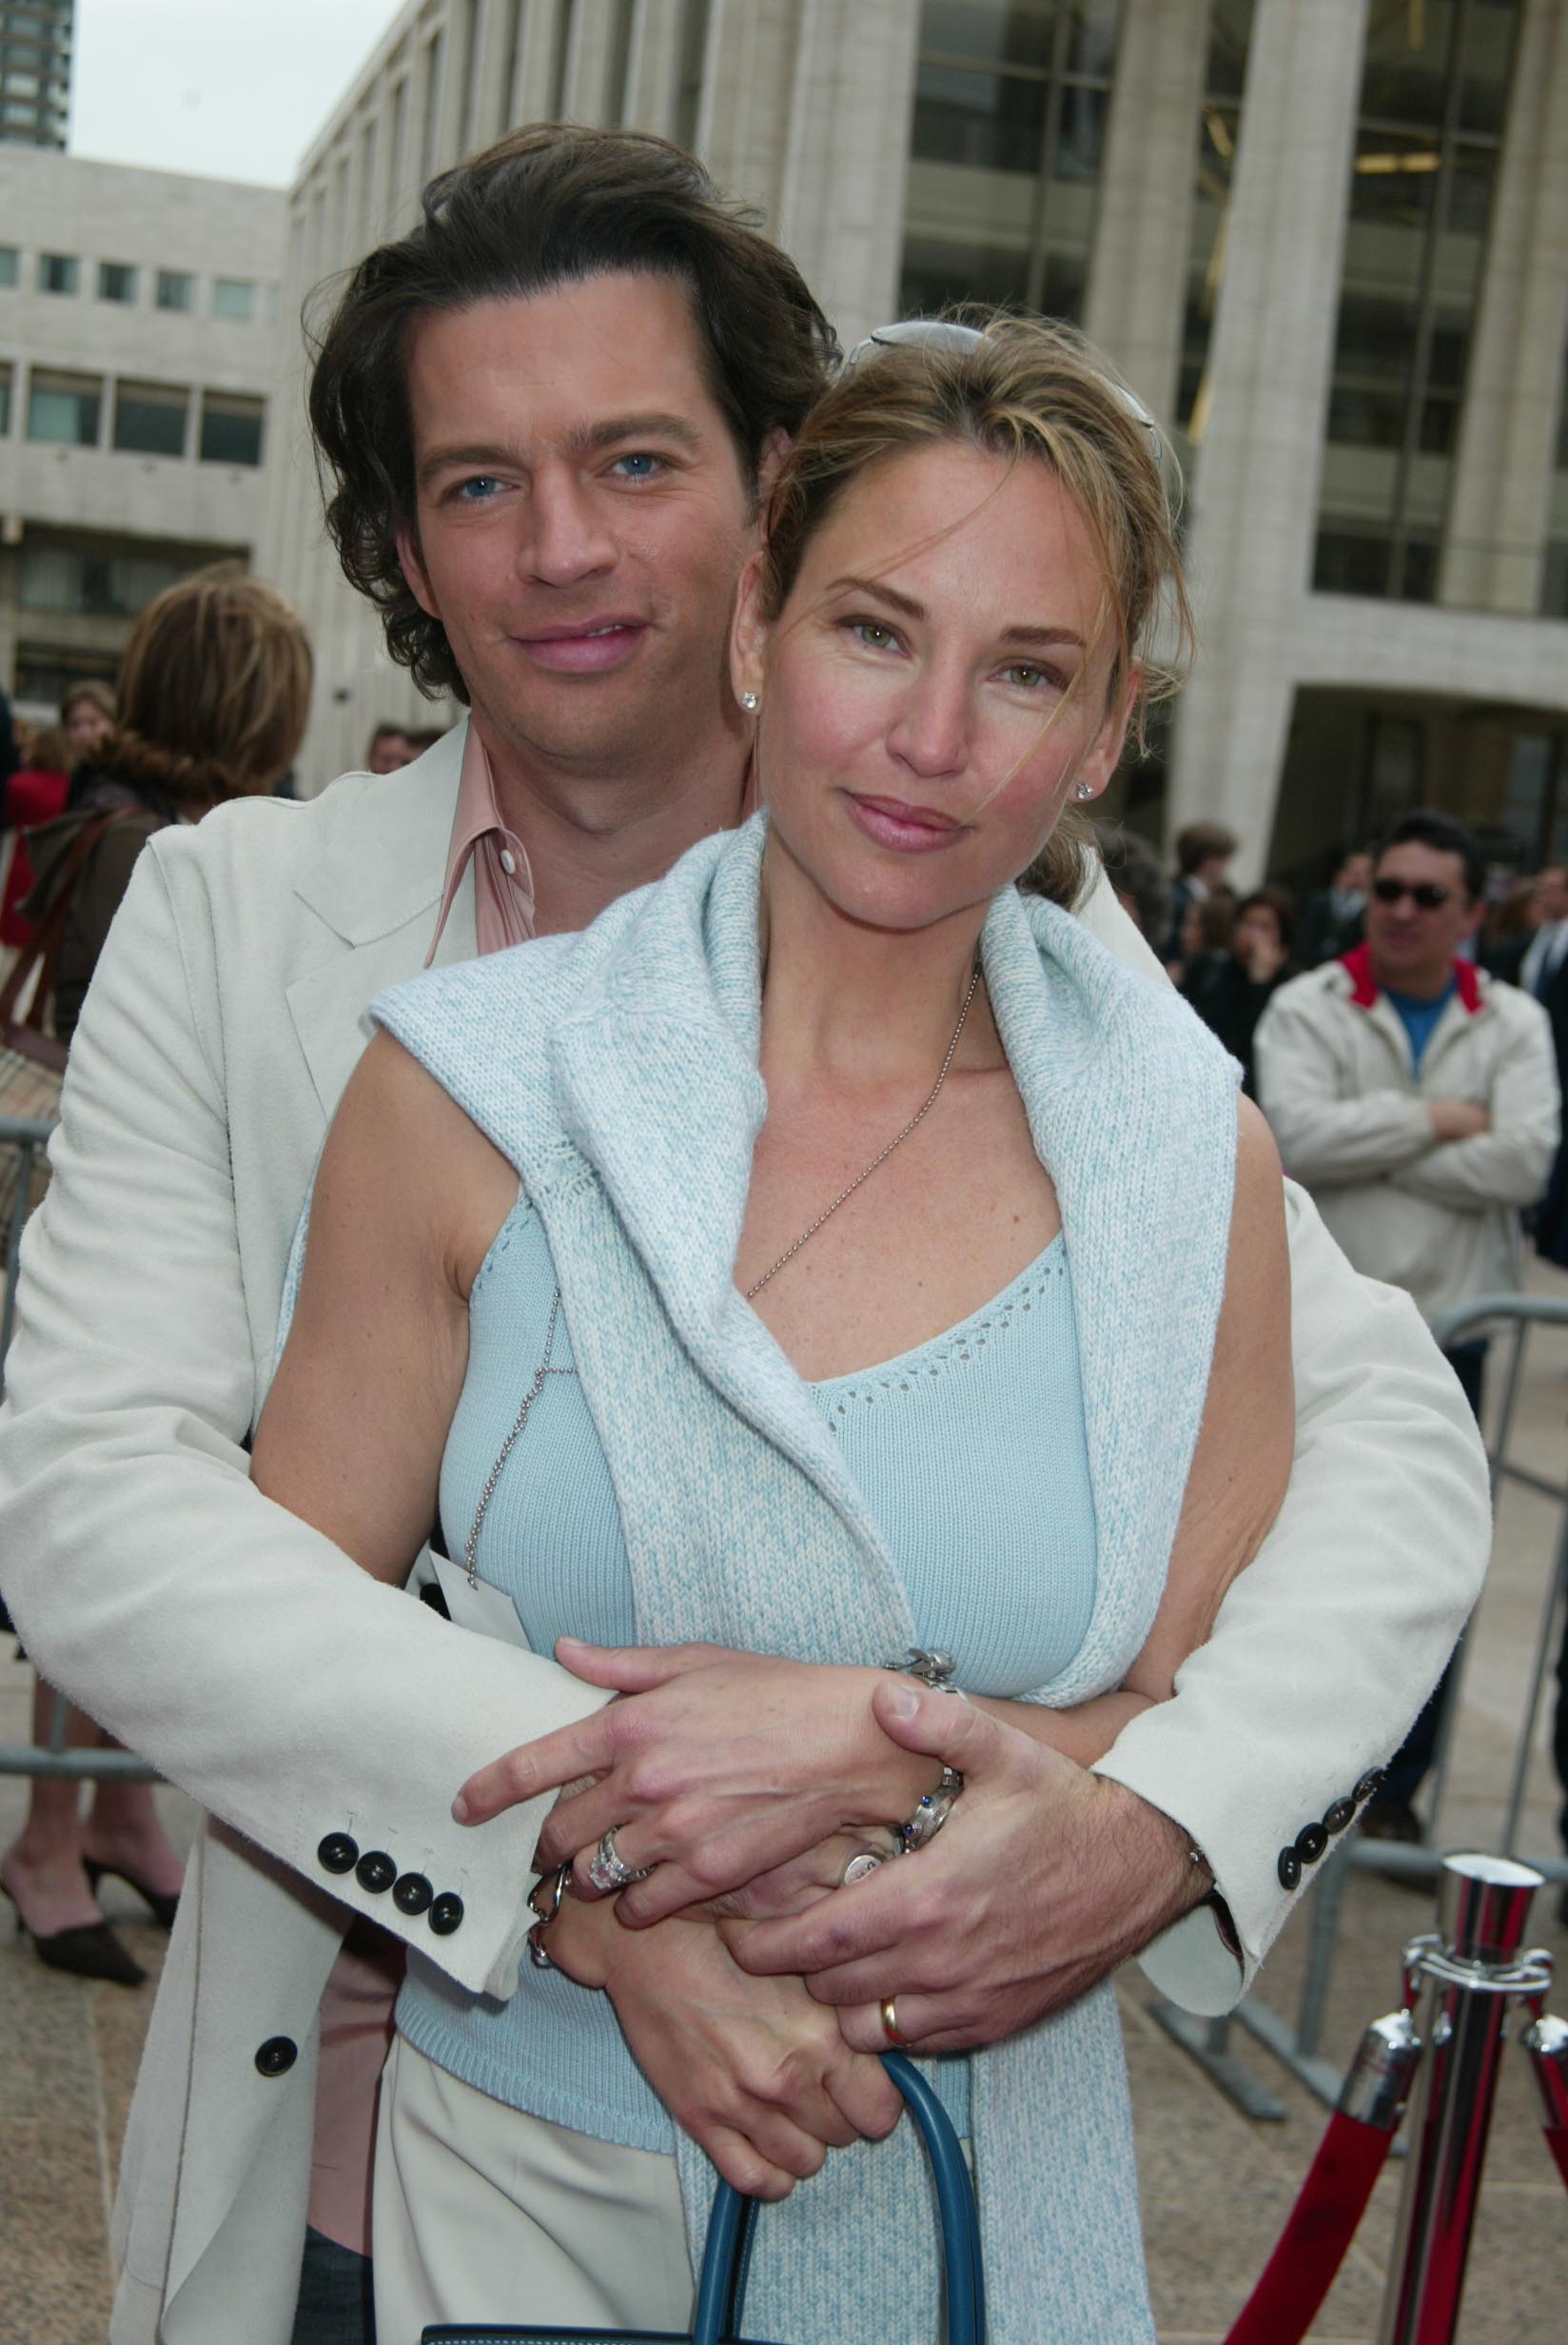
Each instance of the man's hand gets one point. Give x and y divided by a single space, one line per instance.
713 1768
753 2069
1458 1119
1043 1879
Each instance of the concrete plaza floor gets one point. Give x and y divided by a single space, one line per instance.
1217 2186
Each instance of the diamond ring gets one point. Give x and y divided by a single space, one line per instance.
608 1870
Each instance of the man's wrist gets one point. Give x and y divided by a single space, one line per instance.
1156 1857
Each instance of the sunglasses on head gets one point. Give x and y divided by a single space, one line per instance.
948 334
1426 894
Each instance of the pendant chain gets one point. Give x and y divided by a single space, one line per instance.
917 1117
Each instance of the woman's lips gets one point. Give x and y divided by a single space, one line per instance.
913 830
584 651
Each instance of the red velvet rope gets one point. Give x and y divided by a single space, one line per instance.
1557 2141
1313 2243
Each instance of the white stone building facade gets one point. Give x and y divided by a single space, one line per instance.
139 341
1327 239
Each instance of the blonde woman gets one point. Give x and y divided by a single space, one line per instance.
214 692
825 1254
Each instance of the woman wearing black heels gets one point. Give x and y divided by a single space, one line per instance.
214 692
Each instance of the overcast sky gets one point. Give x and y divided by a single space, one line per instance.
227 88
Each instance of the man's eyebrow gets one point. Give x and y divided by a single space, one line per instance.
1042 637
473 458
655 425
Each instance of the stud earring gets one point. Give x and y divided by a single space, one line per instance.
1084 789
750 702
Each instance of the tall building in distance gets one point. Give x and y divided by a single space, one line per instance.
36 51
1327 243
139 334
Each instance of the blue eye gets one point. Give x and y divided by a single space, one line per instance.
477 490
638 466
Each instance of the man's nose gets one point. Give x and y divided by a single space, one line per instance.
570 537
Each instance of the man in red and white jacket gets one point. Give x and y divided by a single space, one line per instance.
1417 1098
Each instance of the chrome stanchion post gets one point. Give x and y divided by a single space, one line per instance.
1546 2041
1472 1969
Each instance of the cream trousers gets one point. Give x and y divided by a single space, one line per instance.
485 2215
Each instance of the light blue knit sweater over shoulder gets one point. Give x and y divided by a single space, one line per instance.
617 1071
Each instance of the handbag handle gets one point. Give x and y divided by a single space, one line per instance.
721 2290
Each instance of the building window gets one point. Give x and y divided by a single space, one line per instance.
233 298
46 673
1006 145
1219 134
57 272
231 429
1433 101
116 281
176 290
1554 584
65 408
5 400
149 418
59 575
10 260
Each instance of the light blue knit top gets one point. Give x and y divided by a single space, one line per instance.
971 1455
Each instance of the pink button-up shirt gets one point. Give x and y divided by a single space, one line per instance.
503 883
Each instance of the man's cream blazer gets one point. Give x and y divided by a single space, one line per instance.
298 1701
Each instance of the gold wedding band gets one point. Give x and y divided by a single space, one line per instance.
890 2021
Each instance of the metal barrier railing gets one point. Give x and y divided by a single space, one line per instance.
1297 2043
22 1140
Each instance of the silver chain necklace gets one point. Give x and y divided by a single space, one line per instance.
918 1116
471 1546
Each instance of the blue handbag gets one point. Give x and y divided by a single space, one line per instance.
721 2290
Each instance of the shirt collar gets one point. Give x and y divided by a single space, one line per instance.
1364 988
503 880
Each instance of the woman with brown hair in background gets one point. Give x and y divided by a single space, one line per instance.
214 693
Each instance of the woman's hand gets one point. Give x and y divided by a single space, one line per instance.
755 2071
715 1767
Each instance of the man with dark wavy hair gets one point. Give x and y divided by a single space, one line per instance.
548 417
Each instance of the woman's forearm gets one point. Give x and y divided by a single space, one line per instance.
1083 1734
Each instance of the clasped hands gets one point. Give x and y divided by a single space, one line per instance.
745 1781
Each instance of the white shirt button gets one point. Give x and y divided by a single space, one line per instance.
508 862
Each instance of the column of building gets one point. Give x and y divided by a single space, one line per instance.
1255 501
1137 285
1499 508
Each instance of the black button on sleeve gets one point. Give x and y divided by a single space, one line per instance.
1370 1785
276 2056
1339 1816
1289 1868
1310 1842
375 1871
338 1853
412 1893
447 1914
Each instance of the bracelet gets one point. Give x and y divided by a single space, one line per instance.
934 1670
545 1901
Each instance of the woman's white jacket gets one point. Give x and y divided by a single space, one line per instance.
295 1698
